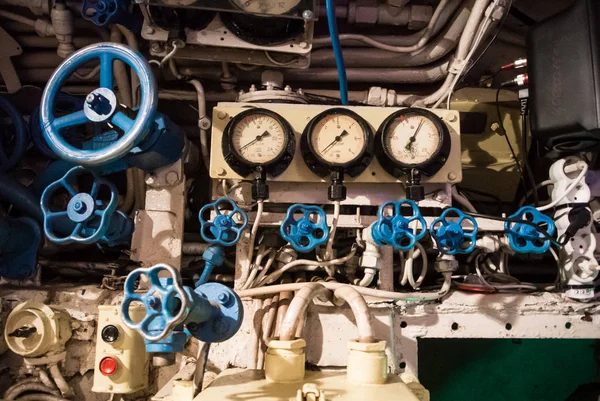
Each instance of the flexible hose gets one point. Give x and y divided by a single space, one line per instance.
42 397
462 200
329 249
337 50
367 279
253 232
304 296
60 381
18 389
409 266
360 309
370 292
276 274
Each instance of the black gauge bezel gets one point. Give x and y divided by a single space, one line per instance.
263 31
284 14
244 167
398 169
323 168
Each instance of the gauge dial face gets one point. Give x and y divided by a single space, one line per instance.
276 7
259 138
412 139
338 139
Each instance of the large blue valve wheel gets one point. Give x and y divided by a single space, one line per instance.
100 106
308 231
166 302
85 218
228 225
454 236
13 139
397 230
525 238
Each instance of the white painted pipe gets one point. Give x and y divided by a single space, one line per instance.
360 309
306 293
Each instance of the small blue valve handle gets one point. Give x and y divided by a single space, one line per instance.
309 231
212 312
393 230
101 106
17 136
223 230
167 302
451 236
524 238
86 216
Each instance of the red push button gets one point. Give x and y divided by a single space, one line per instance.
108 366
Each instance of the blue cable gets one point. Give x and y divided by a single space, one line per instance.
337 51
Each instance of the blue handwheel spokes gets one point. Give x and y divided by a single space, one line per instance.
166 302
225 229
69 120
100 106
456 236
397 230
106 70
525 238
308 231
85 218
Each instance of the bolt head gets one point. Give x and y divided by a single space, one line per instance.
303 45
452 176
307 14
223 298
221 171
149 30
172 177
150 179
494 127
221 115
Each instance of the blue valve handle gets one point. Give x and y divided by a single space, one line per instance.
450 235
524 238
100 106
305 234
10 157
169 304
394 230
223 230
86 216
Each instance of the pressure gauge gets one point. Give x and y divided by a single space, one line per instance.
337 140
412 139
258 138
275 7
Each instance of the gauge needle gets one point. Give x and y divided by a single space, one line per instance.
413 138
336 140
257 139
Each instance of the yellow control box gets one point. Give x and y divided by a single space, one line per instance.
121 359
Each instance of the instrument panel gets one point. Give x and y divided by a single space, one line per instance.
371 144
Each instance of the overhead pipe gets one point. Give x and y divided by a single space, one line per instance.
428 74
435 50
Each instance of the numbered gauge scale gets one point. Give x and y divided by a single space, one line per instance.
258 139
412 139
390 154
